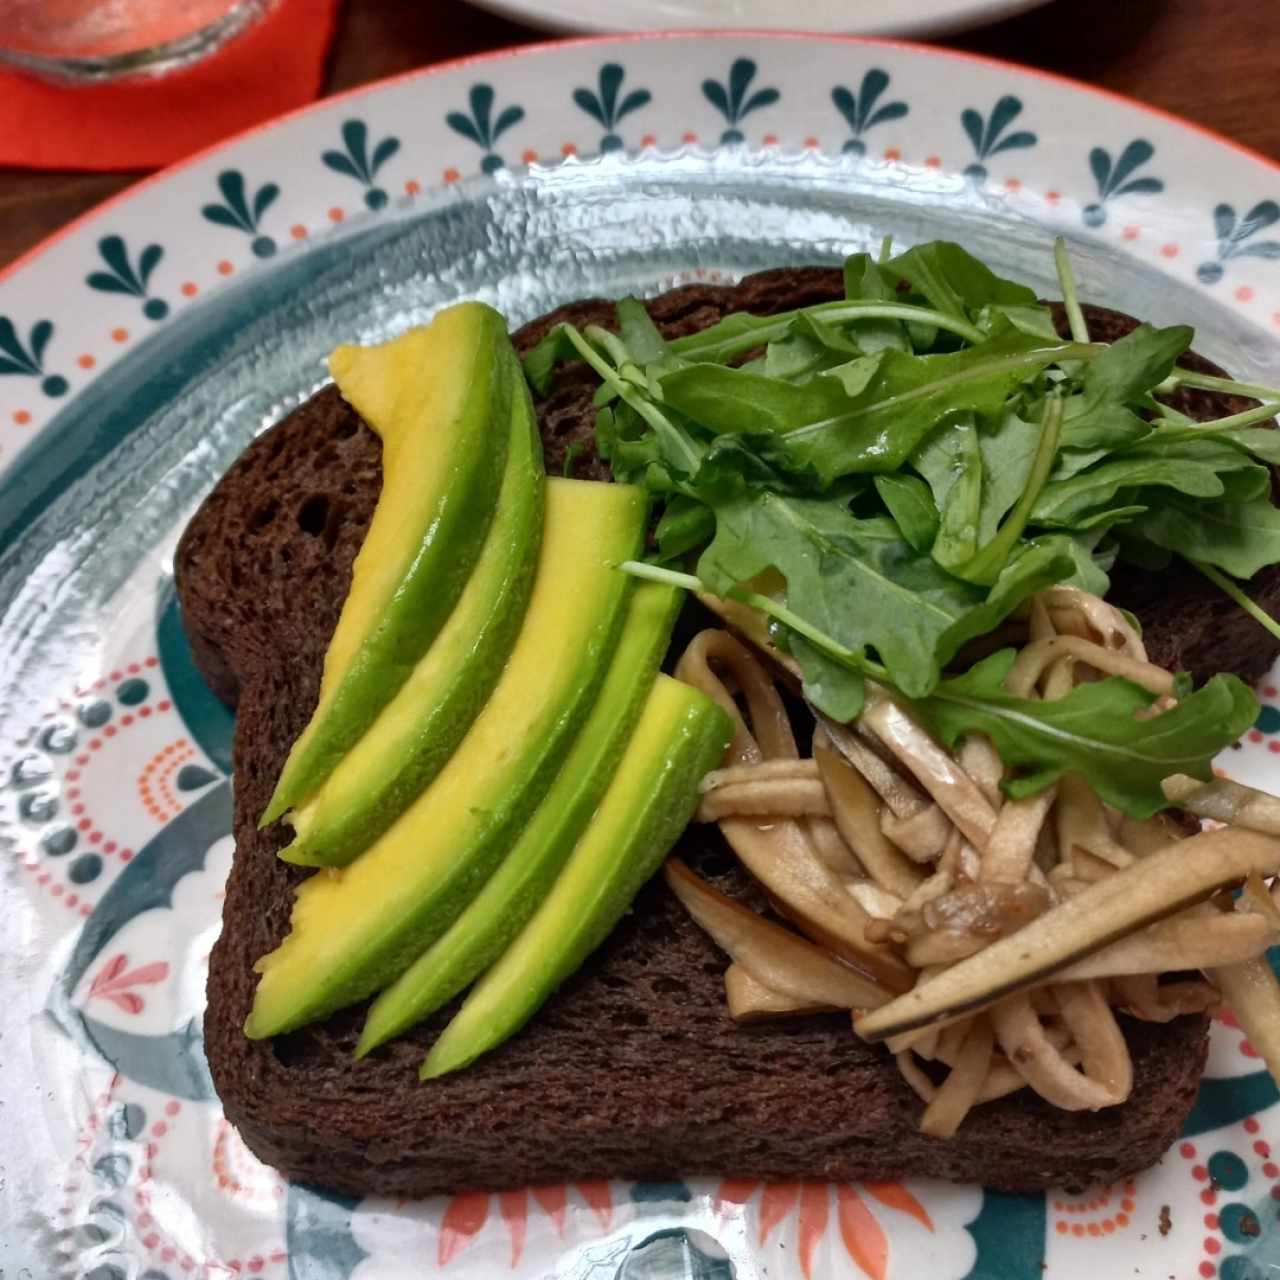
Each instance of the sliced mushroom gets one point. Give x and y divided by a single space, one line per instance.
1185 942
1010 852
1105 1076
765 798
923 837
749 1000
1106 911
1225 801
775 957
964 1082
831 848
939 774
899 795
753 627
1038 656
1251 992
855 811
980 760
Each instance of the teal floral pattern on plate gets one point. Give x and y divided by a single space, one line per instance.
212 296
734 99
480 126
123 276
243 212
603 106
356 161
863 110
1236 237
27 359
989 134
1116 178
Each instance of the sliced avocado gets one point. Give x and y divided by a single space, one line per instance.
498 913
439 397
682 735
358 928
408 744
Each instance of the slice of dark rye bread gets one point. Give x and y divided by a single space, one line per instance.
633 1070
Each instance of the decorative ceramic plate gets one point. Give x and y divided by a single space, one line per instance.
863 17
142 348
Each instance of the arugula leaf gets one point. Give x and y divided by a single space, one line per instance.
1259 442
1092 731
908 502
863 280
859 582
540 364
1102 417
1093 431
822 428
1092 564
953 281
952 464
1238 537
832 687
1063 503
987 563
638 332
685 524
808 347
1008 449
1127 369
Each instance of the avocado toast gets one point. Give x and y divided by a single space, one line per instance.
670 1085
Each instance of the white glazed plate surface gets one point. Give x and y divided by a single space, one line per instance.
141 349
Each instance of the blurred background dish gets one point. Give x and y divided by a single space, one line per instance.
850 17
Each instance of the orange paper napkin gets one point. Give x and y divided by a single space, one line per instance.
142 124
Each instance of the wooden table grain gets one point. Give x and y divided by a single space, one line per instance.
1212 61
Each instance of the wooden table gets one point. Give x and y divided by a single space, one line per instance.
1213 61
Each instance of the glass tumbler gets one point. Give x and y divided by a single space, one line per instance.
95 40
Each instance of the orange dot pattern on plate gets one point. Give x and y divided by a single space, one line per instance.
21 417
154 789
1102 1214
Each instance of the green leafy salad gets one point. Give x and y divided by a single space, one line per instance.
890 476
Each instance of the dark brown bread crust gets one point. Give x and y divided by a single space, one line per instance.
634 1069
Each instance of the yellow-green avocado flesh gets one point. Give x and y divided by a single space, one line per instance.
681 735
354 930
410 742
498 913
439 397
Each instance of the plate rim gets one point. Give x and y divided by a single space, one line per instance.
535 48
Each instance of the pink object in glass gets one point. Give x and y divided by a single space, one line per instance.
102 39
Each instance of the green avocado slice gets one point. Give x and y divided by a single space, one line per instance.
355 929
409 743
439 397
681 735
498 913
